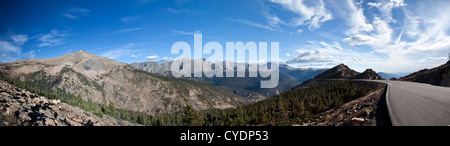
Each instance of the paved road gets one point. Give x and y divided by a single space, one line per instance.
417 104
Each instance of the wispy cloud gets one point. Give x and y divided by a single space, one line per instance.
180 32
125 30
54 38
135 56
70 16
114 53
313 15
74 13
182 11
129 19
251 23
6 47
79 11
312 56
19 39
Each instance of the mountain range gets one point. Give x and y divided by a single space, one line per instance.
388 76
242 86
105 81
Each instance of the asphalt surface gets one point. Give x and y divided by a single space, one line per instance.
417 104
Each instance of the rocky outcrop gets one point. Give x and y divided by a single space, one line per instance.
341 72
19 107
436 76
369 74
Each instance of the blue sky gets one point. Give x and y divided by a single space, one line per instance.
385 35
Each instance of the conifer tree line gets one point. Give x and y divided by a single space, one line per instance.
294 106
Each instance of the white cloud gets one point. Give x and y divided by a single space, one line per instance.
135 56
324 55
152 58
385 7
426 26
314 14
358 40
19 39
299 31
379 38
356 19
311 56
165 59
374 4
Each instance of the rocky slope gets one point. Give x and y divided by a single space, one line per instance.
106 81
368 74
245 87
436 76
340 72
19 107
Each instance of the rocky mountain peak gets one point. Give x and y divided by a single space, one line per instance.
368 74
340 71
341 67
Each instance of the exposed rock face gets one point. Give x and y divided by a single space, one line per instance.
153 67
369 74
19 107
436 76
103 81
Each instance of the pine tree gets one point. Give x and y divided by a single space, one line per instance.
188 116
